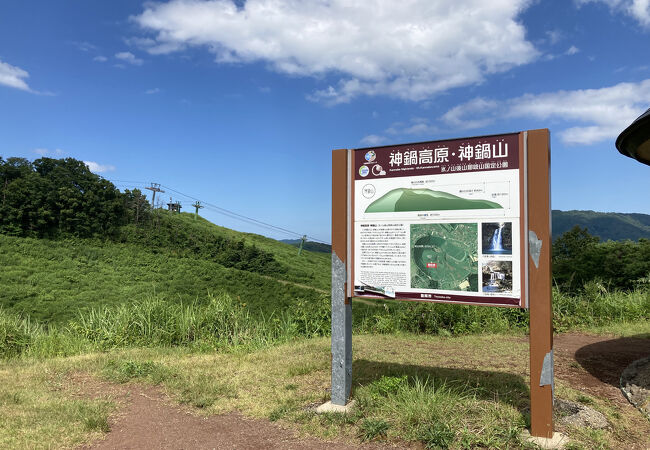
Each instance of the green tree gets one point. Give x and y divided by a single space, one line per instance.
571 267
136 206
52 197
579 257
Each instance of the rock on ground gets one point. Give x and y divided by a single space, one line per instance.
635 384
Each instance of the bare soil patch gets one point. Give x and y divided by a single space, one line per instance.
594 364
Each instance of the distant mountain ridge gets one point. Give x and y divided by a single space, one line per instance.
606 225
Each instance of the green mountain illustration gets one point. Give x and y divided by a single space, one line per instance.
404 199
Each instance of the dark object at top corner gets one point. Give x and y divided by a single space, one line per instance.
634 141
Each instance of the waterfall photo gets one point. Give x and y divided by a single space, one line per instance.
497 276
497 238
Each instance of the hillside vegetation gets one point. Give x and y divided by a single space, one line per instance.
52 281
185 235
70 242
61 198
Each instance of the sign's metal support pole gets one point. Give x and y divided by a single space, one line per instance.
539 287
341 304
341 335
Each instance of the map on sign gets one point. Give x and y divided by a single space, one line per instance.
444 256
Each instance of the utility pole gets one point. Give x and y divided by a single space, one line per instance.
302 242
197 205
155 187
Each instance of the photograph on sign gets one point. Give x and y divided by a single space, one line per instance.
439 221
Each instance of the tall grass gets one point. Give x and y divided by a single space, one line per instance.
16 334
219 323
222 322
597 306
438 413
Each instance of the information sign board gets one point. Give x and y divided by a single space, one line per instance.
440 221
463 221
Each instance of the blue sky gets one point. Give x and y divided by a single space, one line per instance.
239 104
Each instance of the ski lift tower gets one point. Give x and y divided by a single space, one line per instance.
174 207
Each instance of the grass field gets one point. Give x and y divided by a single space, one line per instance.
458 392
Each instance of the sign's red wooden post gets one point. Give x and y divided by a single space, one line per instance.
539 276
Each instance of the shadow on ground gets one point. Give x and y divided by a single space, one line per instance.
489 385
606 360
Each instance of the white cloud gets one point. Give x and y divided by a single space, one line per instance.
569 52
130 58
99 168
638 9
479 108
420 125
415 126
373 139
572 50
14 77
48 152
598 114
554 36
84 46
100 58
152 91
410 50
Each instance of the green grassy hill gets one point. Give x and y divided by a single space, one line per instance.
51 280
186 235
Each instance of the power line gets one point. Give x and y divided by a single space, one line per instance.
250 222
232 214
246 218
127 181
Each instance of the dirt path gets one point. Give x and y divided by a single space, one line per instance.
304 286
322 291
594 364
149 419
